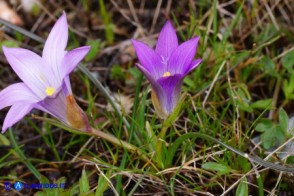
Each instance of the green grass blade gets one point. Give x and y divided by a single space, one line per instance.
22 156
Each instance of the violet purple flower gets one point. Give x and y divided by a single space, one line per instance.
166 66
46 84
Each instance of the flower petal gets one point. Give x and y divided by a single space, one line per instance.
157 88
54 49
167 41
72 59
160 99
56 106
150 60
16 112
192 66
30 68
171 86
16 93
67 88
182 57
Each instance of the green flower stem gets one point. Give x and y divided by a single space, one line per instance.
97 133
112 139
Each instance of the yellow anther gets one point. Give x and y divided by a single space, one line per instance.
50 91
167 73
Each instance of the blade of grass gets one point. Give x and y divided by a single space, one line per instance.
134 114
233 23
23 31
22 156
98 84
255 159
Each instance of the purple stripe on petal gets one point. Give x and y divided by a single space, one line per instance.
72 59
54 49
171 86
192 66
149 59
167 41
16 113
182 57
29 67
16 93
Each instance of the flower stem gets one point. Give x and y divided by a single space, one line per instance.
112 139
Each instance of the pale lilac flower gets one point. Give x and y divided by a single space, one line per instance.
166 66
46 84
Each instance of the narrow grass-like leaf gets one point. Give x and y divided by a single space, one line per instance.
173 148
262 104
22 156
84 183
233 23
242 189
283 120
218 167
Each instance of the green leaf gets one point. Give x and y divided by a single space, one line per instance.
9 44
175 114
264 125
284 120
262 104
288 61
290 160
95 47
218 167
4 141
288 87
242 189
117 73
268 64
45 180
84 183
273 137
103 184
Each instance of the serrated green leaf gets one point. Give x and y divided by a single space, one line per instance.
242 189
218 167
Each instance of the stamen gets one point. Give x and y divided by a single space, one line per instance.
50 91
166 74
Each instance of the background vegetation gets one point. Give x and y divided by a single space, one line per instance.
242 95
